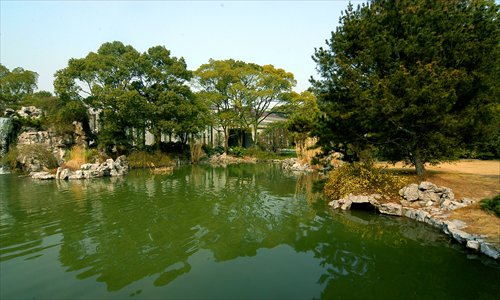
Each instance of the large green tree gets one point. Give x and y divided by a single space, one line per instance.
416 80
242 94
133 92
16 85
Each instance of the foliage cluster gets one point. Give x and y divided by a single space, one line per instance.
362 178
210 151
146 159
415 80
275 136
242 94
491 205
15 85
132 92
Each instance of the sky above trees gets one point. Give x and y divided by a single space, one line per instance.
43 35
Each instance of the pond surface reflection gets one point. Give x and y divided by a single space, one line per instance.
245 231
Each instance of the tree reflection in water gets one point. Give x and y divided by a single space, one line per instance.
121 230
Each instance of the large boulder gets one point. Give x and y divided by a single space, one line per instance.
410 192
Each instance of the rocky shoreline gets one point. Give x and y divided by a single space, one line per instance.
109 168
427 203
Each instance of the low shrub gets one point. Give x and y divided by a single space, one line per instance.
362 178
210 151
10 158
491 205
144 159
237 151
75 158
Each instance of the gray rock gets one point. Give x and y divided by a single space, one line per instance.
427 186
78 174
334 204
436 222
410 192
416 214
466 201
428 195
490 250
85 167
42 175
30 112
447 194
390 209
63 173
459 235
474 245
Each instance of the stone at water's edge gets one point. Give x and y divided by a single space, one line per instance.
391 209
42 175
118 167
431 204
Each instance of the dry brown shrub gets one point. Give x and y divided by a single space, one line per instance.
76 158
306 150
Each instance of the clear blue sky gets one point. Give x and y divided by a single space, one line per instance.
43 35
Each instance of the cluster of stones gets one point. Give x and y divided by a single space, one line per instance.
293 165
110 167
428 203
30 112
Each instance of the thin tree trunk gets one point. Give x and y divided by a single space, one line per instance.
418 162
254 135
226 140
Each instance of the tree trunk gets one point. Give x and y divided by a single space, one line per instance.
254 135
157 138
226 140
419 163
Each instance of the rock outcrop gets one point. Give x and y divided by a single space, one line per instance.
431 204
293 165
30 112
110 167
41 150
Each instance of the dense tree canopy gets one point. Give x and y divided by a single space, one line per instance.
16 85
415 80
242 94
133 92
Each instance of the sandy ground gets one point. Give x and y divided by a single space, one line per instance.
475 179
469 166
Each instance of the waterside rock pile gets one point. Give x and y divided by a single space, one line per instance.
428 203
293 165
110 167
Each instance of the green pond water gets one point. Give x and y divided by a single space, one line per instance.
241 232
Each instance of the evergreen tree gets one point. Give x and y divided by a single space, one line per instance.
416 80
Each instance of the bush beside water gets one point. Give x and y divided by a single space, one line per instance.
362 178
144 159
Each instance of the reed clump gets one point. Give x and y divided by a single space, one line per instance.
145 159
